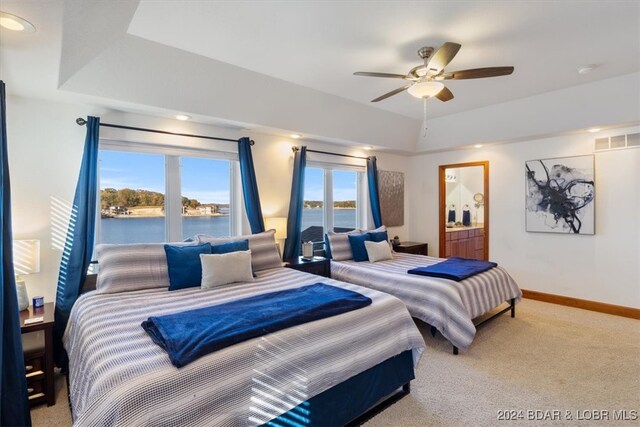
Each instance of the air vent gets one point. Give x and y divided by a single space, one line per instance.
617 142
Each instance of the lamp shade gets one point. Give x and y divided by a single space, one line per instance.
425 89
26 256
279 224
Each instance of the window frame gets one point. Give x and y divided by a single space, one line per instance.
173 183
363 205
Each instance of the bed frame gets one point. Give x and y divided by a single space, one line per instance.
511 307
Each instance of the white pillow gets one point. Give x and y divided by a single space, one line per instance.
222 269
378 251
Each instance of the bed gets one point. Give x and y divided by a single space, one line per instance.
448 306
118 376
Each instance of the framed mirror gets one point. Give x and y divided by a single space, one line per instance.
464 210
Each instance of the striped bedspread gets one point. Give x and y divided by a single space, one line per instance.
118 376
447 305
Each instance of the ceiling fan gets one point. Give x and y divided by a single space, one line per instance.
425 79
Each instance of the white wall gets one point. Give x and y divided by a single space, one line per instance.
45 149
604 267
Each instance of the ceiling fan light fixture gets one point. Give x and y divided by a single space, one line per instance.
16 23
425 89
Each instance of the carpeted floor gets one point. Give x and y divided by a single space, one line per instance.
549 358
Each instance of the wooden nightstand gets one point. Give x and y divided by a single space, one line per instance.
317 265
37 345
416 248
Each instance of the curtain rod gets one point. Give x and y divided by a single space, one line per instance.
295 148
80 121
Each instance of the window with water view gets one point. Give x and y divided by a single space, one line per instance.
339 189
134 198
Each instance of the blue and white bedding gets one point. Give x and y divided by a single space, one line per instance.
447 305
118 376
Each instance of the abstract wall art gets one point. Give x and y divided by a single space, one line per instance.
391 187
560 195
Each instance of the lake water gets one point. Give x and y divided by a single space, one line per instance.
151 230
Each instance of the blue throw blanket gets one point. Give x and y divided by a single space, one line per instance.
454 268
188 335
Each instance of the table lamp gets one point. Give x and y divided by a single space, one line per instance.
26 260
280 225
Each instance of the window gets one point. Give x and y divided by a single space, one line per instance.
345 196
333 200
132 201
152 194
206 197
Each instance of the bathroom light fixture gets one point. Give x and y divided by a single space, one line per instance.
182 117
477 146
425 89
295 136
594 130
368 148
16 23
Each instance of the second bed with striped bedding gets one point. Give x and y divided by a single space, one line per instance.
447 305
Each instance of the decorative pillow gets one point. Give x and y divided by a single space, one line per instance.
378 251
225 248
132 267
183 262
222 269
338 245
378 236
264 249
357 242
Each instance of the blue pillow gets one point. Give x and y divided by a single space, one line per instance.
327 247
225 248
357 246
185 269
380 236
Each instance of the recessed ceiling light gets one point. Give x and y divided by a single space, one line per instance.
295 136
16 23
586 69
182 117
594 130
477 146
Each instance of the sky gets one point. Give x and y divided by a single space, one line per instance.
206 180
344 185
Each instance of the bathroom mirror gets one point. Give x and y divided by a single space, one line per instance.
464 210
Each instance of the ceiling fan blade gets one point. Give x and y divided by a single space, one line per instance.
443 56
478 73
388 75
445 95
393 92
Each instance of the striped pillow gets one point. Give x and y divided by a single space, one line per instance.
132 267
264 249
339 245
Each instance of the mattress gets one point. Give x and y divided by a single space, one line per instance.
447 305
118 376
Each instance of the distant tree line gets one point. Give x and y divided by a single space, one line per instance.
345 204
129 198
